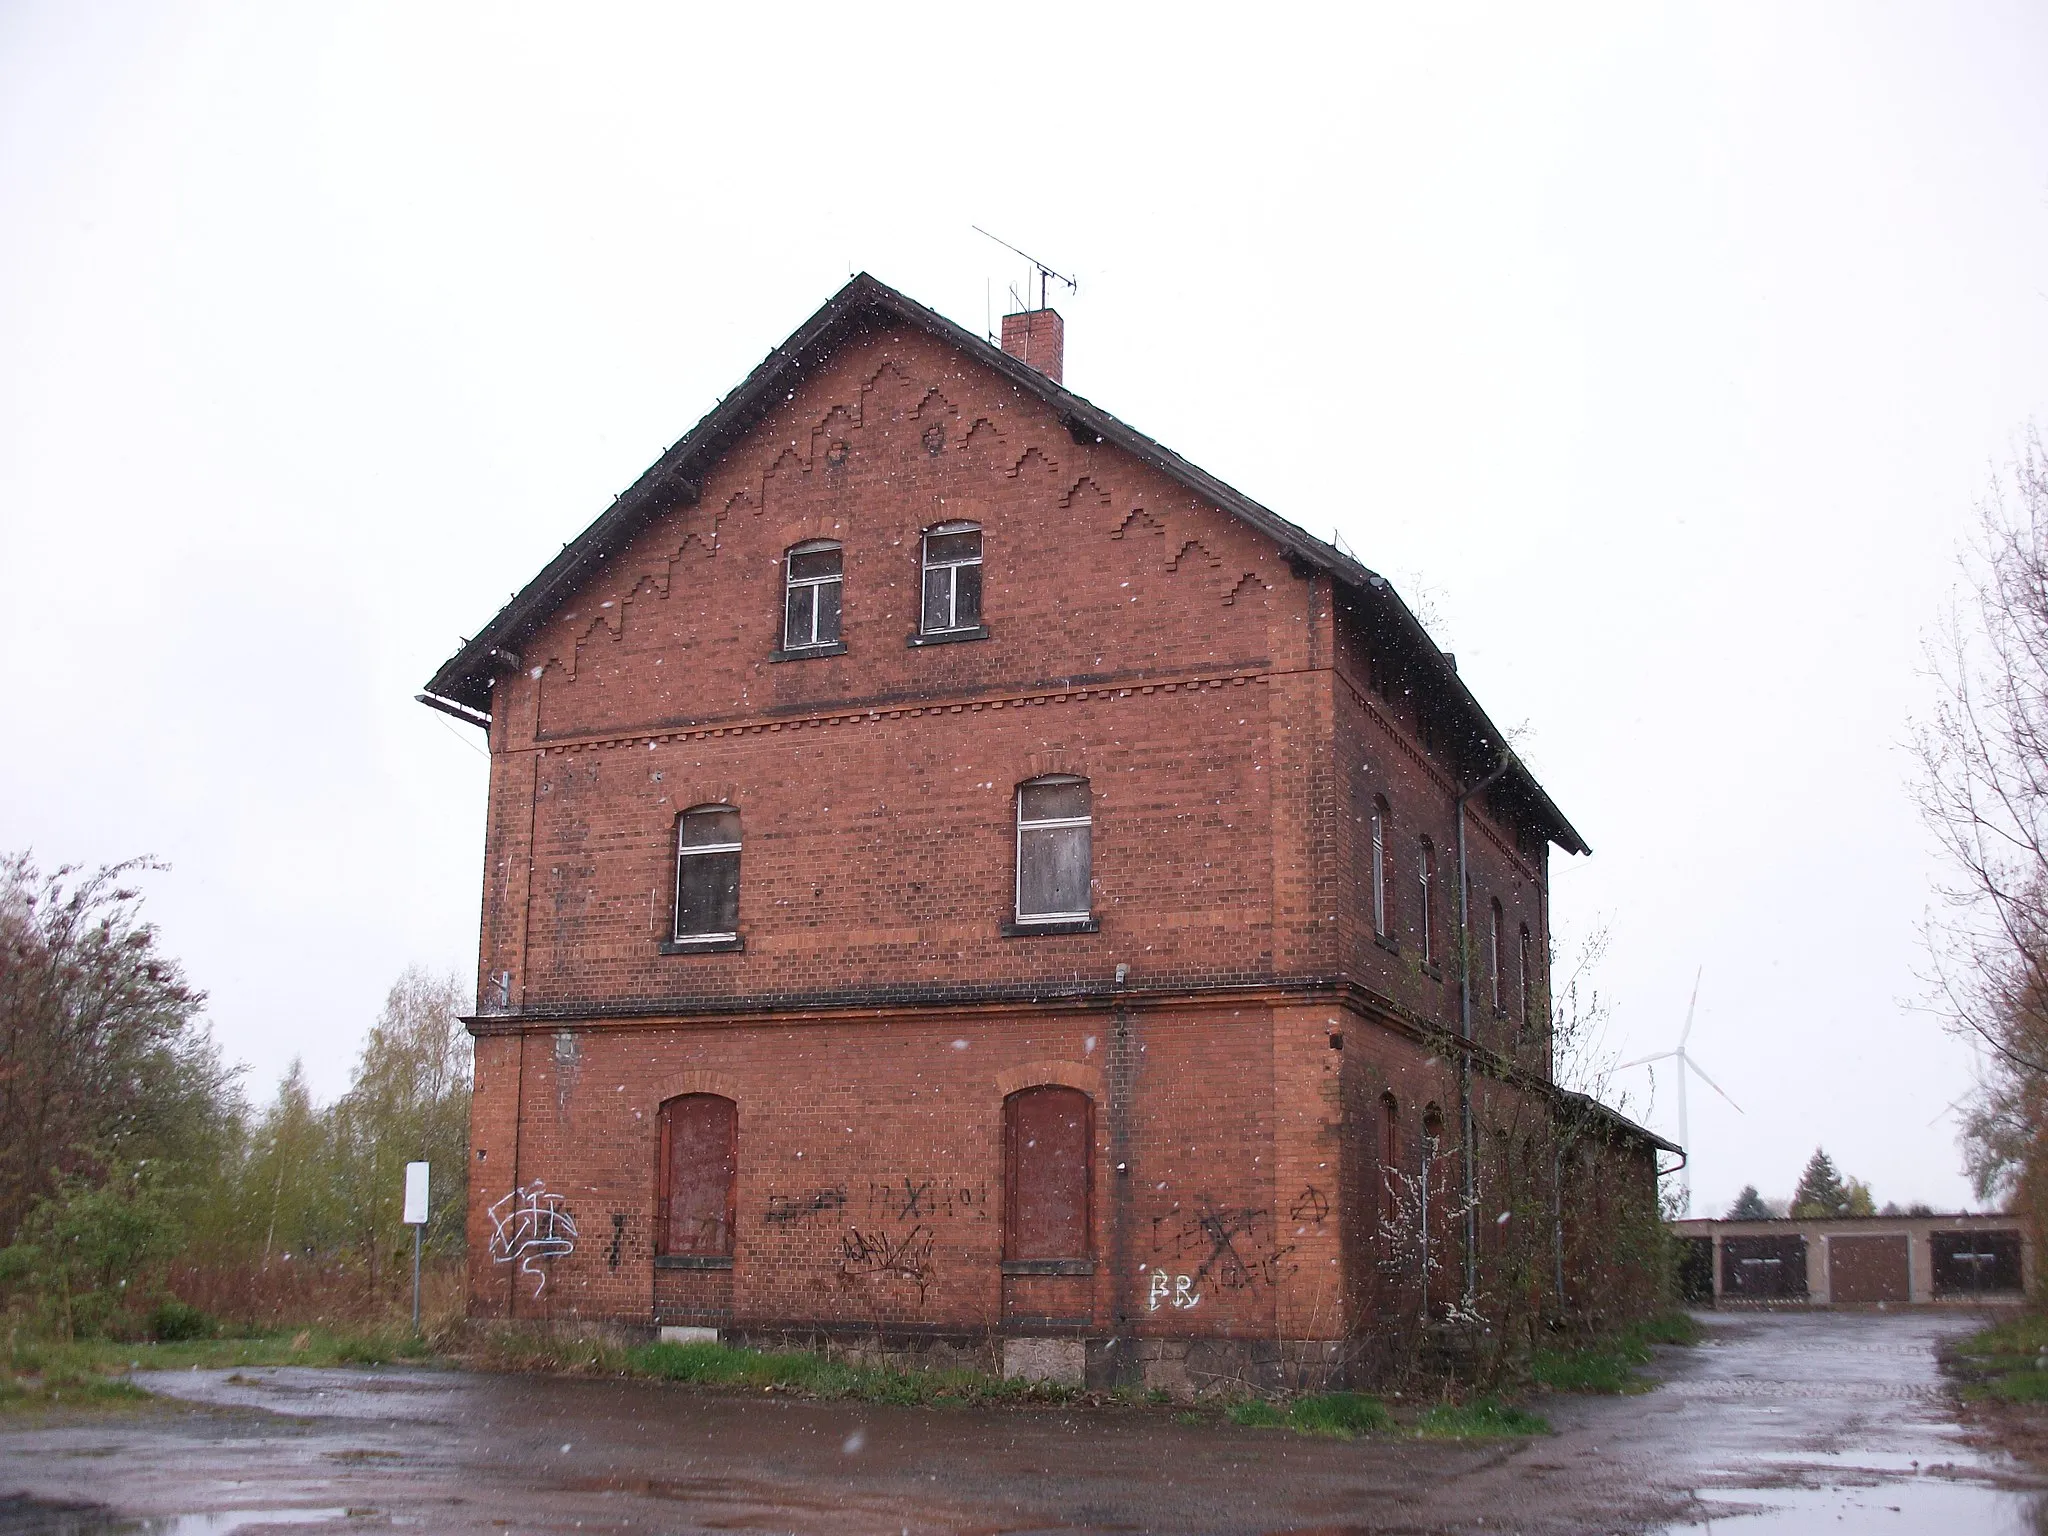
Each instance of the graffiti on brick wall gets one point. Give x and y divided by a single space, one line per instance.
805 1212
1176 1291
900 1256
531 1224
914 1197
1233 1248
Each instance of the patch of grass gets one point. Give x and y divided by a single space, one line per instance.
808 1375
2003 1360
1608 1364
1256 1413
1486 1417
1342 1414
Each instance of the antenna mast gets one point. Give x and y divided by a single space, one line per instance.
1044 271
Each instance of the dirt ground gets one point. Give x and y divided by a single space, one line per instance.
1779 1422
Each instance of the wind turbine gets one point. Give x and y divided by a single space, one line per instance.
1685 1064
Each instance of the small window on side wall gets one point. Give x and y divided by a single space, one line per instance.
952 579
699 1176
1382 828
812 582
1054 850
1048 1141
708 875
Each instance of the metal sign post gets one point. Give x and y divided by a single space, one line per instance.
416 1218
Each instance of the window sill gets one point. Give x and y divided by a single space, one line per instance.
1048 1266
809 652
693 1261
1391 945
1010 930
1433 972
702 946
948 636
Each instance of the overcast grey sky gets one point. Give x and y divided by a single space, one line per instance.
1663 351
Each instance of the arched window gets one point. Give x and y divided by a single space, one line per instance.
1382 828
699 1175
1426 871
952 578
1048 1146
1493 956
1054 849
812 578
707 875
1432 1131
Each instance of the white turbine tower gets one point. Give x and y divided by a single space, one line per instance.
1685 1064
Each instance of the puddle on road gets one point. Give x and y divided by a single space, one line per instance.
1927 1507
37 1517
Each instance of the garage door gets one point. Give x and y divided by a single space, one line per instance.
1869 1269
1764 1268
1974 1263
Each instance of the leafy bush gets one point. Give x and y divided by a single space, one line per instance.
1608 1364
173 1322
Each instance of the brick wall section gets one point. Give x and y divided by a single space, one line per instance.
1227 718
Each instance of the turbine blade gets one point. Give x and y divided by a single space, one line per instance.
1643 1060
1686 1033
1713 1085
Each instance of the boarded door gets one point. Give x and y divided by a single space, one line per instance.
699 1160
1974 1263
1764 1268
1869 1269
1045 1212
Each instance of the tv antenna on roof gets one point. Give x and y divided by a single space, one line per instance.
1044 272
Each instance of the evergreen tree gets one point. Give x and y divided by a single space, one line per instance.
1749 1206
1821 1192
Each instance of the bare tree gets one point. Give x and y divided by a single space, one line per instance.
1983 793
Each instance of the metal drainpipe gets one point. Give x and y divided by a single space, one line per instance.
1467 1131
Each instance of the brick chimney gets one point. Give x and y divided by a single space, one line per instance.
1037 338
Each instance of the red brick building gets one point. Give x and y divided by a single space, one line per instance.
957 871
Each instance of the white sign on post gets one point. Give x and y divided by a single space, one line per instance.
415 1194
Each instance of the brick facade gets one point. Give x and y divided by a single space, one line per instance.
1233 1017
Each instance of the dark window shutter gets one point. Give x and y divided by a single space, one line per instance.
700 1159
1049 1139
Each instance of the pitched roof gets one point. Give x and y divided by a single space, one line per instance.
465 678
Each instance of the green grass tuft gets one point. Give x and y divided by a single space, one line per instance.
1342 1414
796 1371
1483 1418
1608 1364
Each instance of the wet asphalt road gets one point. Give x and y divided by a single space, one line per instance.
1780 1422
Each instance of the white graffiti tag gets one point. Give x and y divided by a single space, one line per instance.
531 1224
1176 1291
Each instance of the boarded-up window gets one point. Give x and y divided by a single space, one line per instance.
699 1164
1054 850
708 873
1047 1136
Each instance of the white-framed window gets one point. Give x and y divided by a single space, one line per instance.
1425 868
952 578
1528 977
1054 849
1382 824
707 874
1493 954
812 578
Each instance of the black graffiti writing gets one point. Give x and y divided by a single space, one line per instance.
905 1256
915 1197
804 1210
